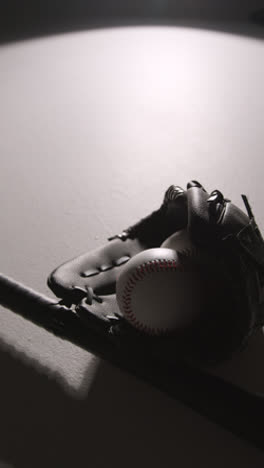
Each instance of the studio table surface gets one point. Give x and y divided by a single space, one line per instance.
94 126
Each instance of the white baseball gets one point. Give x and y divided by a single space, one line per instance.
160 290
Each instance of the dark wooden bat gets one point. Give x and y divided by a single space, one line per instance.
225 404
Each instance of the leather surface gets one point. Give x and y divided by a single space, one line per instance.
202 226
98 269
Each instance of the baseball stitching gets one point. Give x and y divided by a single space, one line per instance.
143 270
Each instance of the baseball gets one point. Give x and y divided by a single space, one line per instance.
159 290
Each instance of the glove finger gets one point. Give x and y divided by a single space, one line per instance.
199 226
99 268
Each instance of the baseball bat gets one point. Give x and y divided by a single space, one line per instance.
223 403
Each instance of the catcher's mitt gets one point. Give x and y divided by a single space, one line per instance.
232 239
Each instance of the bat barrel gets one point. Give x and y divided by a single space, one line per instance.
36 307
17 297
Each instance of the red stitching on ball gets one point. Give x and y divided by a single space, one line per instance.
152 266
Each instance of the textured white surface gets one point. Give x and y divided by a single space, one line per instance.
94 127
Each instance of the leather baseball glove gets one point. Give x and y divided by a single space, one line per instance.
229 236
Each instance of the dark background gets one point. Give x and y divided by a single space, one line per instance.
29 18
